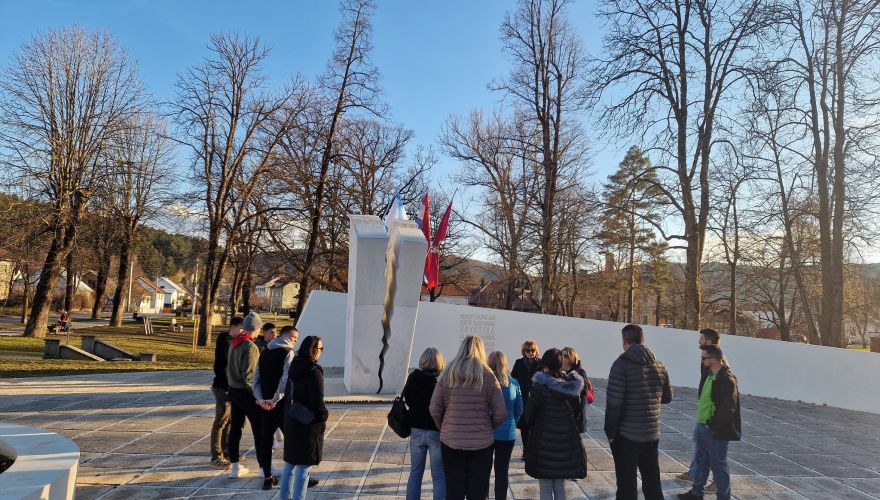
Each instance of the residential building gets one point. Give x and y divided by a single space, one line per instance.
283 295
155 296
448 294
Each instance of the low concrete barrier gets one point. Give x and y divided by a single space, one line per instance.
106 350
56 350
770 368
45 464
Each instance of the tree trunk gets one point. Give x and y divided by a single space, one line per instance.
101 286
122 277
246 289
69 285
631 285
209 291
37 323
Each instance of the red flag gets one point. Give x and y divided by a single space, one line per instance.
440 234
426 221
426 230
432 268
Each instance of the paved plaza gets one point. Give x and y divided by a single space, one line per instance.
145 435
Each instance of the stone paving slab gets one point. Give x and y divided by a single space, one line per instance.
144 435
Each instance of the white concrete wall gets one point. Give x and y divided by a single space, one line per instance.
784 370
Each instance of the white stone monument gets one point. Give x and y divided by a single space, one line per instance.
385 272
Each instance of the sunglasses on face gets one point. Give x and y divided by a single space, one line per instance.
530 350
704 358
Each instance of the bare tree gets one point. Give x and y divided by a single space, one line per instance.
670 67
139 165
545 84
351 82
66 94
495 159
837 45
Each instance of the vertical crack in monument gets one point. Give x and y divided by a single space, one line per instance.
385 278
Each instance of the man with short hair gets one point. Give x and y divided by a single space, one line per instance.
270 379
266 335
637 385
718 423
708 336
220 387
243 358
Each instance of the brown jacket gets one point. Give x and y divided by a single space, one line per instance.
466 418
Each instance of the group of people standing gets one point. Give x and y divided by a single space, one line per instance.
265 381
465 416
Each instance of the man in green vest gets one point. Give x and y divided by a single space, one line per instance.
718 423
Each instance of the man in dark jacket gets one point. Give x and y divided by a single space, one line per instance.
269 383
718 423
220 387
637 385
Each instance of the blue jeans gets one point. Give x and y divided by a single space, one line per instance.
711 453
421 443
300 476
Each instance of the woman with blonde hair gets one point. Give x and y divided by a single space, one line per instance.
466 406
571 362
425 437
505 434
523 370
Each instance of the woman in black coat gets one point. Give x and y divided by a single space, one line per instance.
555 452
523 370
303 442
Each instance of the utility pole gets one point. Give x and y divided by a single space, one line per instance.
195 288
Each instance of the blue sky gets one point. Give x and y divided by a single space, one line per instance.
436 57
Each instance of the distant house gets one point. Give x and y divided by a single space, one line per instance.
493 294
449 294
153 293
7 267
262 289
283 294
174 293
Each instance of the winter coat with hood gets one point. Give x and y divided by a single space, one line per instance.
637 385
242 364
554 449
725 423
270 379
304 443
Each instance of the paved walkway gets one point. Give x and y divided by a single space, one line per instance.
145 435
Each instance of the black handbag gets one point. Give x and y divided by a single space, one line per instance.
397 418
297 410
301 413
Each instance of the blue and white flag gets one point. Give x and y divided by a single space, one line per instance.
395 212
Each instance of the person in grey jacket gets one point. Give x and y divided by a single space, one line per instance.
637 385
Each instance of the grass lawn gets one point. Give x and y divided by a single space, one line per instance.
21 356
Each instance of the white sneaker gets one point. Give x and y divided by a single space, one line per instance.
279 445
237 470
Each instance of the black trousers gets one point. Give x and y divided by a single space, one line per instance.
503 450
630 456
272 421
467 473
524 435
244 406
